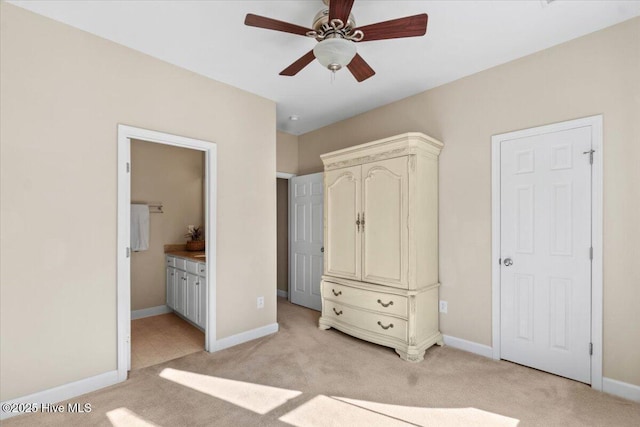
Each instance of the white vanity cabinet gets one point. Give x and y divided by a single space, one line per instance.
380 278
187 289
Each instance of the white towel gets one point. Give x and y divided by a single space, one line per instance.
139 227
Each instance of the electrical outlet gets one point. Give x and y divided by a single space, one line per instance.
260 302
443 307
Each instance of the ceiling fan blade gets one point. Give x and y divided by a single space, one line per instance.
273 24
360 69
410 26
340 9
295 68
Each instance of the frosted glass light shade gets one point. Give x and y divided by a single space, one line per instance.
335 53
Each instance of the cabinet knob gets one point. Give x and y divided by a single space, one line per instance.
338 313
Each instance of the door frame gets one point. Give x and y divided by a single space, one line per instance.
596 125
123 278
287 176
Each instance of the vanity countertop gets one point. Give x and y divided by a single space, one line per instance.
195 256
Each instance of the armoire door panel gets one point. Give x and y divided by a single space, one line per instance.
342 256
385 207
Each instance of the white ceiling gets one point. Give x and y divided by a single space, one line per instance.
209 38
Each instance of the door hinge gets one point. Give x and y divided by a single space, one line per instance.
590 348
591 253
128 167
590 153
128 252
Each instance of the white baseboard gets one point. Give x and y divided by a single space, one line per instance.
151 311
621 389
283 294
64 392
611 386
243 337
470 346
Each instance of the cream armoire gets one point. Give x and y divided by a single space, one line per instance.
380 279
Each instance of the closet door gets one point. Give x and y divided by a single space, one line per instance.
386 234
342 210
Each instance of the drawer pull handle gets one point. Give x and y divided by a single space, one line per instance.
337 294
385 327
385 305
338 313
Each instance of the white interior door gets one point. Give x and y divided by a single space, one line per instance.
545 243
306 237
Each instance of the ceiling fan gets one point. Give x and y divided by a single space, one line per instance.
336 32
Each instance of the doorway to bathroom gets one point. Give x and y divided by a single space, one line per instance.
156 296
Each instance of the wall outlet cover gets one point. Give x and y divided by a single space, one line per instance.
443 307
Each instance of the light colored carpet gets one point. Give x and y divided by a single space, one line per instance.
303 376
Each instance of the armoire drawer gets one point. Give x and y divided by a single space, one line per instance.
372 322
371 300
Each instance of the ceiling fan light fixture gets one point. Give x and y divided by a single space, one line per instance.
335 53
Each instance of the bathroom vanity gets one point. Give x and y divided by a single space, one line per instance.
187 286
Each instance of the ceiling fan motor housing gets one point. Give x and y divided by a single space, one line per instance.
323 28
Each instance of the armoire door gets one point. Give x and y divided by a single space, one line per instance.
342 211
385 216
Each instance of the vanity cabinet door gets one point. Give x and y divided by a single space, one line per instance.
171 287
202 302
180 290
191 311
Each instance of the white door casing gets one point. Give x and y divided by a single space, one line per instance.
547 206
123 311
306 239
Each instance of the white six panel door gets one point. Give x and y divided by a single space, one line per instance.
306 262
342 210
545 249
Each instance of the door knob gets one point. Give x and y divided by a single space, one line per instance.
322 249
508 262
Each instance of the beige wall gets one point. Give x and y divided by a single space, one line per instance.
283 234
595 74
63 92
173 176
286 153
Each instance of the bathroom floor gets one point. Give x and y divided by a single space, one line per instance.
161 338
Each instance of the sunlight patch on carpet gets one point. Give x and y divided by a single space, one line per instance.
123 417
323 411
254 397
446 417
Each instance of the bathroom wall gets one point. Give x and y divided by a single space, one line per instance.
173 176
